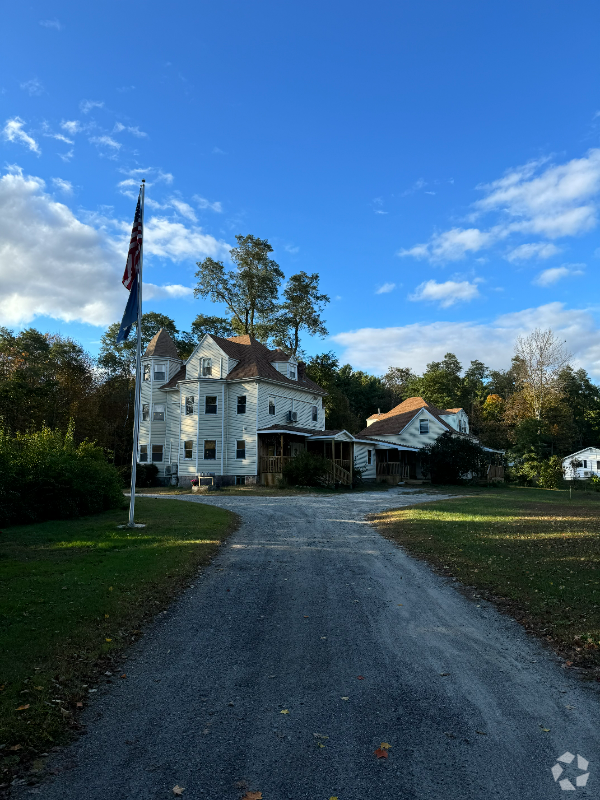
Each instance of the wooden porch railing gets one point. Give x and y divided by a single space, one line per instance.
495 473
393 468
337 473
339 470
273 463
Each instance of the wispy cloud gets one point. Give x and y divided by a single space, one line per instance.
13 132
71 126
547 200
105 141
67 156
32 87
202 202
417 185
87 105
63 186
217 151
184 209
385 288
135 131
293 249
551 276
537 250
51 23
446 294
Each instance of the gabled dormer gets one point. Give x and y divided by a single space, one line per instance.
209 361
285 363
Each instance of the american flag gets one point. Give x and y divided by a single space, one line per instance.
135 246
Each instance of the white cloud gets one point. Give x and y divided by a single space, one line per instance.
217 151
385 288
71 126
380 211
13 132
419 184
450 245
446 294
63 186
415 345
71 270
51 23
173 240
538 198
176 290
32 87
135 131
66 156
525 252
183 208
202 202
550 276
290 248
87 105
106 141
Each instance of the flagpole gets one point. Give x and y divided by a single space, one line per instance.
138 375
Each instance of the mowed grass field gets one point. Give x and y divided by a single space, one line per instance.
75 593
534 552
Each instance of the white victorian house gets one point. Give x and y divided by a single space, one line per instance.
582 465
236 410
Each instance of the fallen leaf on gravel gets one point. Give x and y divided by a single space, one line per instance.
178 790
400 604
345 698
16 747
285 711
335 797
381 753
320 736
385 746
320 744
123 675
252 796
570 707
305 617
108 640
546 730
22 708
79 705
39 688
360 677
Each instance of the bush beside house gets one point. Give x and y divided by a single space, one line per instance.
451 459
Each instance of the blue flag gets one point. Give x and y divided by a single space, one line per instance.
131 313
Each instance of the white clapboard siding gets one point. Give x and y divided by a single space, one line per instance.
361 459
241 427
208 348
288 398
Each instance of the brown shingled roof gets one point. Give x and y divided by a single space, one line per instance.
179 376
162 345
398 418
453 410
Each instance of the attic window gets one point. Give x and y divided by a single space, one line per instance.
292 372
272 406
423 426
315 414
206 367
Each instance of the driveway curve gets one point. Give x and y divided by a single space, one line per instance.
310 641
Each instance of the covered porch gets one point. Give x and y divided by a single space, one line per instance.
277 446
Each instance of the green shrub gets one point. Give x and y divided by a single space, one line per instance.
145 475
45 475
306 469
450 458
531 470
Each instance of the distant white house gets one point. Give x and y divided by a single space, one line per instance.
582 464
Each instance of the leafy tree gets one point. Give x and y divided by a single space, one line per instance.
440 384
397 380
220 326
583 398
323 370
250 291
300 310
451 458
306 469
539 361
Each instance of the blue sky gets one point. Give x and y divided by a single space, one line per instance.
437 163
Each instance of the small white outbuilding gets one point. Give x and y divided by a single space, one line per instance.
582 464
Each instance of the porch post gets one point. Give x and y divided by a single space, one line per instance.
351 461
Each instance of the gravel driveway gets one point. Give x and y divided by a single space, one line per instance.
307 643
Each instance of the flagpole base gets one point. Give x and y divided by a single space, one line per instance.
132 525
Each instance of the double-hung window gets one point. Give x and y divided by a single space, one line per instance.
160 372
143 453
159 412
584 464
292 372
272 406
189 405
206 367
188 450
240 449
210 404
145 411
210 449
315 414
369 457
423 426
241 404
157 452
146 372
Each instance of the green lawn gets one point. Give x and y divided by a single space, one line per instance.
534 552
73 594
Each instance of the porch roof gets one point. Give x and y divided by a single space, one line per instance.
312 434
